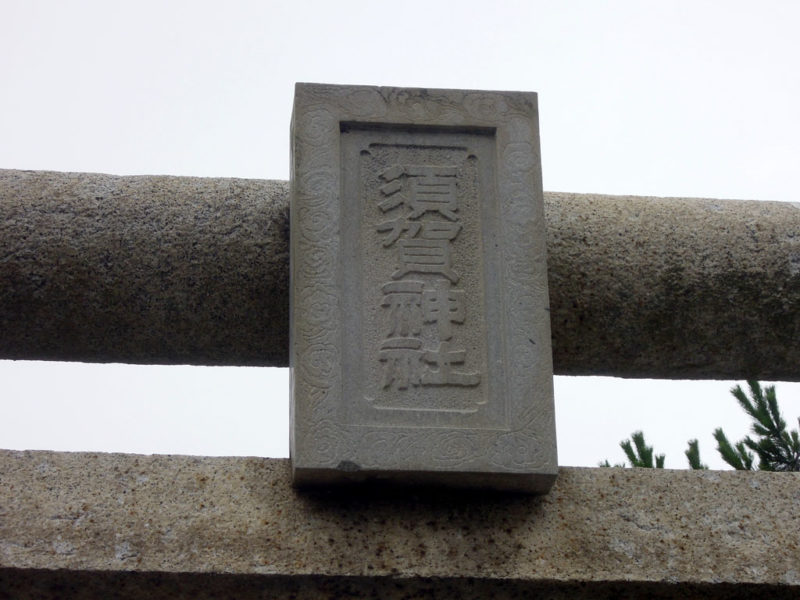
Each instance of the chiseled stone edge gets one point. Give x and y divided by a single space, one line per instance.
187 518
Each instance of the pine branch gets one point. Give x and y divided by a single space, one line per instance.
628 449
645 453
774 411
745 456
642 455
738 458
777 449
693 456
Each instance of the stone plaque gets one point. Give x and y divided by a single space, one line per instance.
420 325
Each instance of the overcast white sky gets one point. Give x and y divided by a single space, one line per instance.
680 98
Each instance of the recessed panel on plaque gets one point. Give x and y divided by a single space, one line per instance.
420 325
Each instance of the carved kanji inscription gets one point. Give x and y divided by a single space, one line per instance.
419 198
420 326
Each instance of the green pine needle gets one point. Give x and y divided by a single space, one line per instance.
693 456
776 448
640 454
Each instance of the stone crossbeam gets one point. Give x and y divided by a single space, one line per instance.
180 270
125 526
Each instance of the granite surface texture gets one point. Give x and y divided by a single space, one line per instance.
170 270
77 525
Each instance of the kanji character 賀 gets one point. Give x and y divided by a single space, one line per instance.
419 255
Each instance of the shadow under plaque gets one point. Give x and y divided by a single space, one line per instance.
420 322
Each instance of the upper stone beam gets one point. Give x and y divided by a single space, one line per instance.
172 270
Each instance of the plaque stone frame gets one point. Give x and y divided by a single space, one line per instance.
420 327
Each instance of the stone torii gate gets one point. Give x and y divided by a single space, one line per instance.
169 270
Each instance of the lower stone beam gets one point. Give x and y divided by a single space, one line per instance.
127 526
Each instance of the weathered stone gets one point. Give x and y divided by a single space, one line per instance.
126 526
674 287
420 312
143 269
185 270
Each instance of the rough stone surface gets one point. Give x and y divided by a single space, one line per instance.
184 270
420 320
125 526
159 270
674 287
